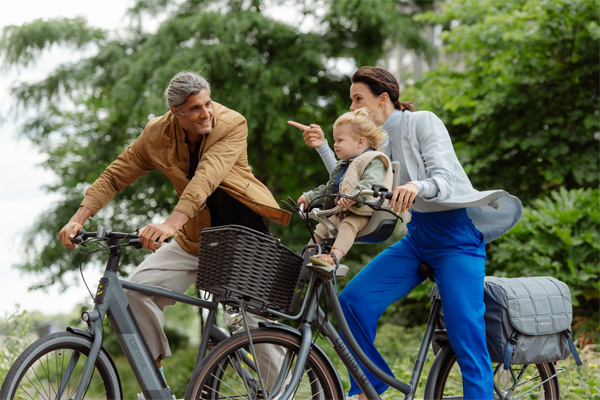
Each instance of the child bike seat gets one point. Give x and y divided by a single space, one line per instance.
382 223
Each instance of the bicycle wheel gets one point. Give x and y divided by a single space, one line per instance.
528 381
229 371
51 368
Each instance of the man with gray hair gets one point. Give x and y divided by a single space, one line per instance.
200 146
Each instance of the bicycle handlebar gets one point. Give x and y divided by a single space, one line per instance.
106 235
379 191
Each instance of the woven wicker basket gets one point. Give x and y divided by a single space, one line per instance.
237 262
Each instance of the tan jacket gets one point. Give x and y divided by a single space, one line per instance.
223 163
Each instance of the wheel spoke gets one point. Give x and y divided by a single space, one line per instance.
526 382
52 368
222 374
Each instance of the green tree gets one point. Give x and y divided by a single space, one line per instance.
517 86
519 91
84 113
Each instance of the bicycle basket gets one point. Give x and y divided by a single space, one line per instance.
236 262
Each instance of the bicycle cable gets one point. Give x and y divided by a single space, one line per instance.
99 242
86 254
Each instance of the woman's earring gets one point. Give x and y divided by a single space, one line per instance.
381 109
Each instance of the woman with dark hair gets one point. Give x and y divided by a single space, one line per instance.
451 223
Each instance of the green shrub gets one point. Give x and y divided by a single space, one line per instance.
15 331
558 236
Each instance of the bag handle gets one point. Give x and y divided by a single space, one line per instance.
573 349
510 348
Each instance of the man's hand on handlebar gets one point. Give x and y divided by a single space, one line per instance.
153 235
68 232
71 228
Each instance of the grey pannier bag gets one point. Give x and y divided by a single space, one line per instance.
528 320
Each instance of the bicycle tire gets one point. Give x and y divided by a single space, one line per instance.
219 375
38 371
445 379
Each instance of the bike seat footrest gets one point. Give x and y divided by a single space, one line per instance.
328 270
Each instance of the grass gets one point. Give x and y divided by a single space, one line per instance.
399 346
583 382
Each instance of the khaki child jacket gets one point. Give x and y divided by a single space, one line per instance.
223 163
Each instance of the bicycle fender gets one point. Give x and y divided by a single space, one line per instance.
296 332
89 335
444 352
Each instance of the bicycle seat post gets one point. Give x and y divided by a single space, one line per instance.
427 271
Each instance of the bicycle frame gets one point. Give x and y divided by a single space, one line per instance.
348 350
110 301
350 361
313 317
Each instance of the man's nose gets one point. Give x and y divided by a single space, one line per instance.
204 112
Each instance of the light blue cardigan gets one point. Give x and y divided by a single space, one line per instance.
420 141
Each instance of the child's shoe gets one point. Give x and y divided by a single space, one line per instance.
326 265
323 259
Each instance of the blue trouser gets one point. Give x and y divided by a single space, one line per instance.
450 243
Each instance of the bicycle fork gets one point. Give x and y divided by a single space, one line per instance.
96 330
305 346
133 344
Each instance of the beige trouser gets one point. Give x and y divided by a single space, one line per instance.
173 269
347 229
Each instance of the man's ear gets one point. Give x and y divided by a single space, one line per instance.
174 111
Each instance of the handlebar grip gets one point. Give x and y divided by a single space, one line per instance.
138 242
79 237
380 190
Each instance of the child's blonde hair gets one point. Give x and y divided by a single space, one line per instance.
362 126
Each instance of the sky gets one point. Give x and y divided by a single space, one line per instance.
22 198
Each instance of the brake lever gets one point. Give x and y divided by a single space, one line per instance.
291 203
78 239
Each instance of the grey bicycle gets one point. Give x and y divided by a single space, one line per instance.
75 365
305 364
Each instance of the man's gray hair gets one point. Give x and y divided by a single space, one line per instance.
184 85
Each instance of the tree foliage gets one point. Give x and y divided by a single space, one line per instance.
519 91
16 327
517 86
86 111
